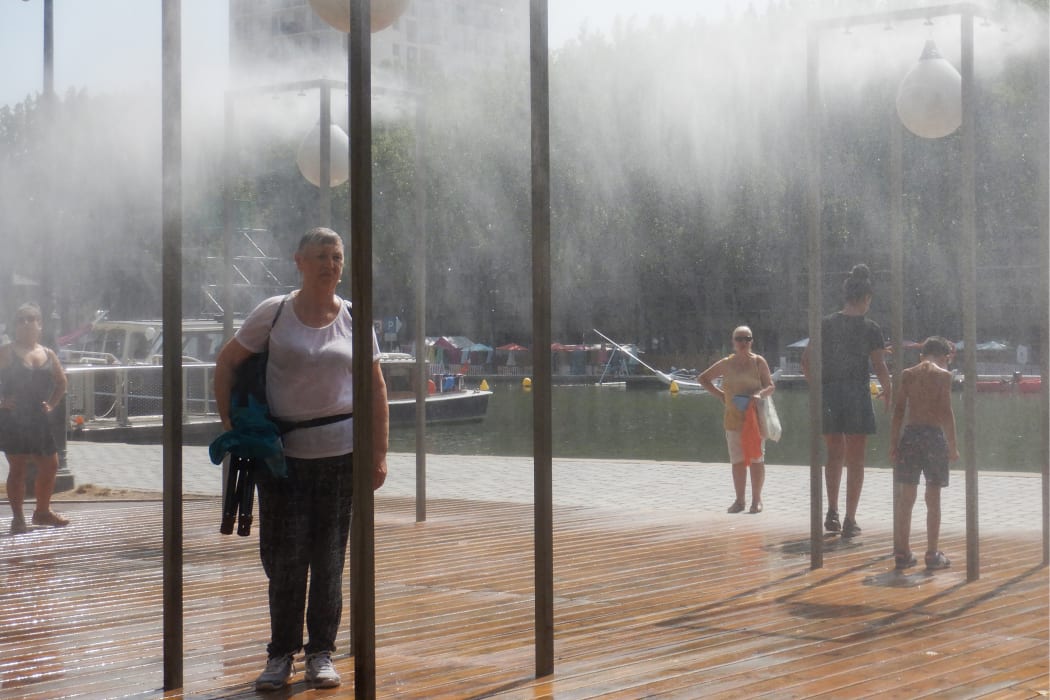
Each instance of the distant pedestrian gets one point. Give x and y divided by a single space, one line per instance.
745 378
852 347
31 385
926 445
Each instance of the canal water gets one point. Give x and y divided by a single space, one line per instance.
611 423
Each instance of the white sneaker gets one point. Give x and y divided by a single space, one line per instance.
279 670
320 673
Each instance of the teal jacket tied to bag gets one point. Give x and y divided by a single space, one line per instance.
254 436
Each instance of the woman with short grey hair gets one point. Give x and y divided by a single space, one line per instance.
305 515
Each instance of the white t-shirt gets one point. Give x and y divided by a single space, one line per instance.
308 375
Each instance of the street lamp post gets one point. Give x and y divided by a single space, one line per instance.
64 478
322 160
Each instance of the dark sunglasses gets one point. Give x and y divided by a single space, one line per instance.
28 319
743 339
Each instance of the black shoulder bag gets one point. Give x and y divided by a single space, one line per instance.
249 379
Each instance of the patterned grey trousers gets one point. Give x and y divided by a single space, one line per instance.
304 524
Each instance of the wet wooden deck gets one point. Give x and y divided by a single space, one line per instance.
652 606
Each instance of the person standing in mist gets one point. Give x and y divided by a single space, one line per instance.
926 445
31 385
852 346
305 516
745 378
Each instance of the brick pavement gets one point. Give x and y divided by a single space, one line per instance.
1009 501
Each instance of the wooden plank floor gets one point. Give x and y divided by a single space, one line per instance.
647 606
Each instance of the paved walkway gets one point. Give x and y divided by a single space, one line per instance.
1009 501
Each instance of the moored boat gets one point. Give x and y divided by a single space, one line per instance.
115 384
448 399
1015 385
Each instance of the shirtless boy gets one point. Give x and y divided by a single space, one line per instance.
926 445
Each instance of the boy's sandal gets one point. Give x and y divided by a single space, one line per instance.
937 560
904 560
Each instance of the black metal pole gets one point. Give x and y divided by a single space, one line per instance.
896 177
47 281
324 203
228 225
171 260
421 316
541 340
968 276
1044 226
49 49
362 531
813 217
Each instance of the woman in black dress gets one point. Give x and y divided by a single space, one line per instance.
31 385
852 348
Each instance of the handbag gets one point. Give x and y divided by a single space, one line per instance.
249 378
768 420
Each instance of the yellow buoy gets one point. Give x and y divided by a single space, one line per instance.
874 388
484 385
526 383
674 387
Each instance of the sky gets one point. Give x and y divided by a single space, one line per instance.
111 46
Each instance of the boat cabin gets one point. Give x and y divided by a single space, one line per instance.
141 343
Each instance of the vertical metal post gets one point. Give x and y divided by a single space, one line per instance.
543 525
171 203
896 177
813 218
227 222
49 49
229 153
968 276
50 301
47 279
362 530
1044 320
421 317
324 198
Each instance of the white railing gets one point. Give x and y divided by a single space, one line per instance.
122 393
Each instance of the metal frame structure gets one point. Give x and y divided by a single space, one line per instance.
968 266
363 545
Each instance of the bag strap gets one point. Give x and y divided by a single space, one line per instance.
275 317
287 426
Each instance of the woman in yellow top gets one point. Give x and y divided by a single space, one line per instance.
745 377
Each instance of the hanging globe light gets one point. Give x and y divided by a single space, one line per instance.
929 99
309 157
337 13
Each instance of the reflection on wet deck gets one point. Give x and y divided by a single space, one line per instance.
647 605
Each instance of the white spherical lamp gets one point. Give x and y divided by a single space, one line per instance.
309 157
929 99
337 13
